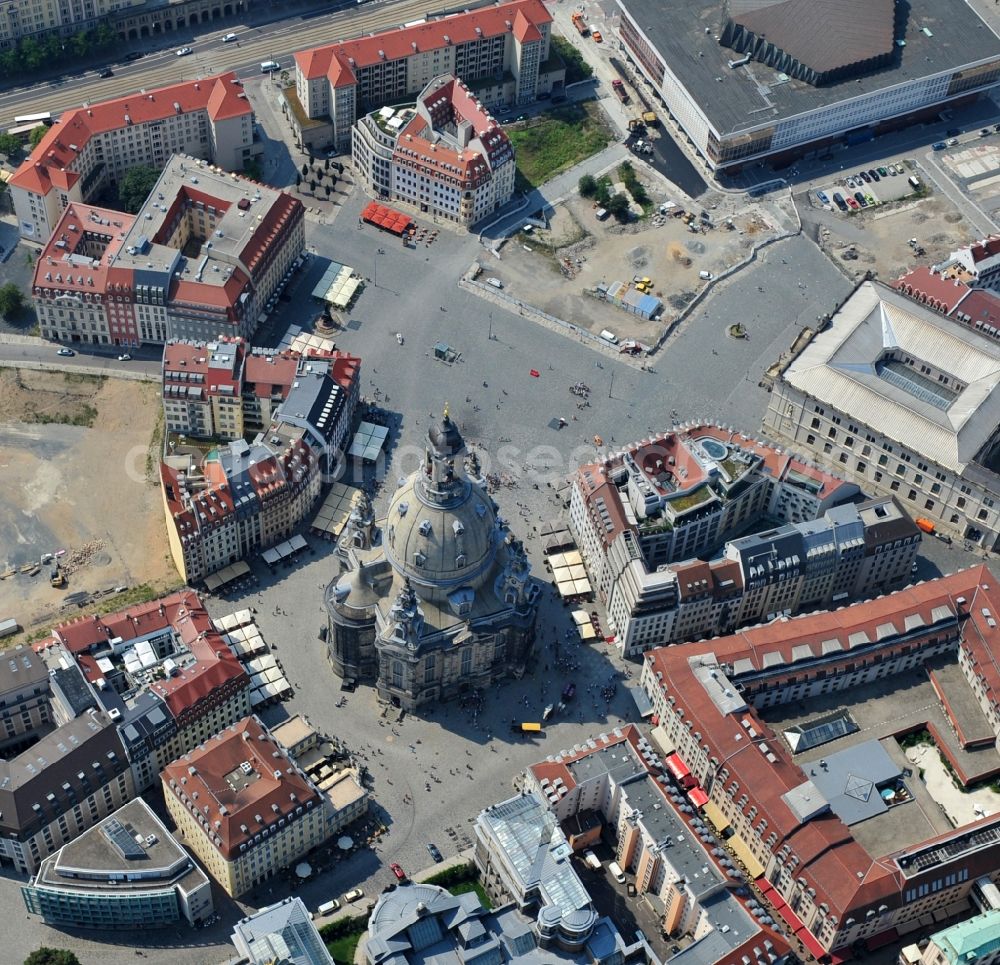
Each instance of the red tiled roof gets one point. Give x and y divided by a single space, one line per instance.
81 223
986 248
215 665
931 289
49 163
238 806
266 371
840 869
981 305
276 218
335 60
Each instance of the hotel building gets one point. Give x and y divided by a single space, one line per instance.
446 156
202 259
500 50
244 809
89 149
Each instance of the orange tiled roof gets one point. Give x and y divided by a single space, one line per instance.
337 61
49 163
237 810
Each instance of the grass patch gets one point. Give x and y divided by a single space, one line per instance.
342 937
473 886
84 416
342 949
577 68
555 141
142 593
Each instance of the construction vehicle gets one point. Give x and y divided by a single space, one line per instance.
650 118
636 126
619 89
56 577
580 24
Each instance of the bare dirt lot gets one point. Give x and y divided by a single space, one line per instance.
85 490
880 237
577 252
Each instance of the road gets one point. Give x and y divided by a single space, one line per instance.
274 41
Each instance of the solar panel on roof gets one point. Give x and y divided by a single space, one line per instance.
126 845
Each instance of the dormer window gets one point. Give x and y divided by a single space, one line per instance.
425 527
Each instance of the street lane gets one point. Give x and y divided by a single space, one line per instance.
277 41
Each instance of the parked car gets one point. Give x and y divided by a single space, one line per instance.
107 72
184 51
860 198
133 55
852 204
823 199
397 871
883 171
874 175
952 141
353 895
939 146
985 132
432 850
229 38
954 132
866 177
65 351
870 198
838 200
125 358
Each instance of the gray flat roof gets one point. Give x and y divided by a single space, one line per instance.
754 95
163 862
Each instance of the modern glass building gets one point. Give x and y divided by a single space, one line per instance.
126 872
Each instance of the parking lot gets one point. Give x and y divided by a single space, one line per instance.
869 187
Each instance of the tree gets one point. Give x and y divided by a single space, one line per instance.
298 180
617 206
9 144
11 299
312 186
51 956
136 185
305 170
588 186
36 135
329 190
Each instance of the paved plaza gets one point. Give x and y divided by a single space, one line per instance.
469 759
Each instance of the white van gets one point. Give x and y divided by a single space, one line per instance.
269 65
495 282
706 275
328 907
616 872
609 337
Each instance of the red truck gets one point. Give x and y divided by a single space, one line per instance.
580 24
619 89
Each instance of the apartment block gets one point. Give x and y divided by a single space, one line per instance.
126 872
643 515
500 50
205 257
227 390
161 672
249 496
784 739
244 809
901 401
64 783
614 783
89 149
446 155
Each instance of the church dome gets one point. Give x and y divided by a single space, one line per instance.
441 530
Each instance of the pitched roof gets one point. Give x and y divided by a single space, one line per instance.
49 163
337 61
842 871
65 264
238 803
932 288
215 666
